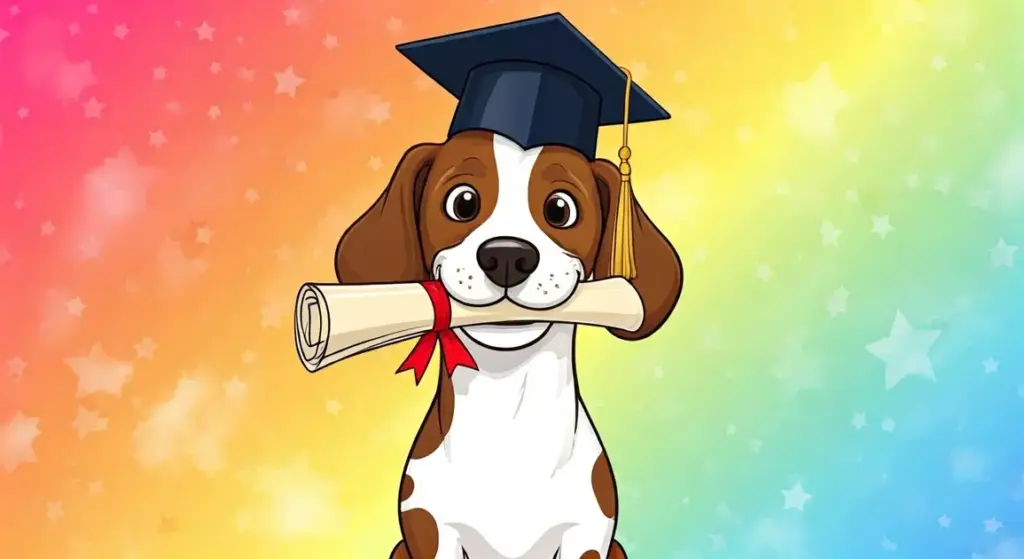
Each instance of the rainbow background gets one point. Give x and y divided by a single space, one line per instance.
161 201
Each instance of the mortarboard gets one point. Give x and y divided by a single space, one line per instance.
540 82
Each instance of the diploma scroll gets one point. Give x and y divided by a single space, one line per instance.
335 322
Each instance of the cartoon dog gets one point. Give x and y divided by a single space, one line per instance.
507 462
515 205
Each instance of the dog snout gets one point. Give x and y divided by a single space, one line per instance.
507 261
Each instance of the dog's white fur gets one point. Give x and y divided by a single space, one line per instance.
512 479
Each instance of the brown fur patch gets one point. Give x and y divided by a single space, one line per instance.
400 551
604 486
592 554
659 272
416 195
616 551
560 169
420 531
405 490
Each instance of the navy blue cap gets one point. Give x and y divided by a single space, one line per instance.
537 82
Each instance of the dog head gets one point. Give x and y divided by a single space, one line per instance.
491 220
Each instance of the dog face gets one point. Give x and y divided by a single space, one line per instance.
491 220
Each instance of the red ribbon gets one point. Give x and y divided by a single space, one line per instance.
453 351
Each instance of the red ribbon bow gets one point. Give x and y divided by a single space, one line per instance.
453 351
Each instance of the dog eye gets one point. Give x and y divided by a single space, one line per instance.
560 210
462 203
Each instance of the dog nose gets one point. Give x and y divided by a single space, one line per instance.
507 261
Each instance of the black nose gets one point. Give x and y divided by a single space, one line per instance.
507 261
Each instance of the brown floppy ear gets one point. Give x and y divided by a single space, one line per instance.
383 245
659 272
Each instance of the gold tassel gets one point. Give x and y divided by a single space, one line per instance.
623 259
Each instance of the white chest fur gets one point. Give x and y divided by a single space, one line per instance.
514 471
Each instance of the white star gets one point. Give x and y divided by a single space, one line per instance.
859 421
98 373
16 440
54 510
205 32
235 388
795 497
93 108
829 234
905 351
287 82
75 306
16 367
811 106
380 113
938 63
47 228
880 226
992 525
763 272
88 421
333 407
157 138
991 365
204 235
89 247
331 42
394 25
944 521
292 15
888 425
837 301
121 31
145 349
159 73
1002 254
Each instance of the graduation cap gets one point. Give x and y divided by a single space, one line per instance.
540 82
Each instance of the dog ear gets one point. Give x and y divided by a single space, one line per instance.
383 245
659 272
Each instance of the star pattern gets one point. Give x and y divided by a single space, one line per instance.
169 176
905 352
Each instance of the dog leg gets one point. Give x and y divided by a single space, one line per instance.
589 541
616 551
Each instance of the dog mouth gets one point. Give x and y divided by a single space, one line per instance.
508 335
